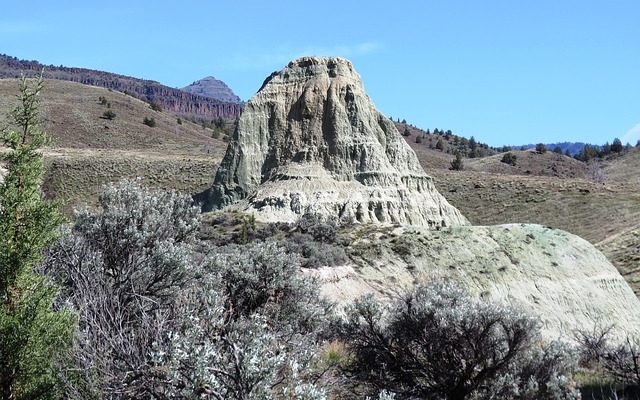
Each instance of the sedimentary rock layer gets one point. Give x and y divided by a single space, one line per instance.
311 141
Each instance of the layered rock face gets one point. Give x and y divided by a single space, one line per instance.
311 141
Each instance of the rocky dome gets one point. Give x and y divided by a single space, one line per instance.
311 141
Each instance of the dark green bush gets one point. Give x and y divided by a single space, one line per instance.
509 158
155 106
108 115
150 122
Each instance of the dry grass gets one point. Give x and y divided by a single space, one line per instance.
75 176
73 116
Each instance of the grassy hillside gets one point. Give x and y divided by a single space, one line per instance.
73 117
531 163
89 150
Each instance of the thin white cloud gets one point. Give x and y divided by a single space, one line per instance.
281 56
632 136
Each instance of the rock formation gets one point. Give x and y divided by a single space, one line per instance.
311 141
551 274
213 88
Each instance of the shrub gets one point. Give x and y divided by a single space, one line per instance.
150 122
219 123
438 342
440 145
121 268
159 320
540 148
247 330
406 132
418 138
456 163
509 158
108 115
155 106
619 361
102 100
179 121
322 229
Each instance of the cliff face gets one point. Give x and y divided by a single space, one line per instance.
174 100
213 88
312 141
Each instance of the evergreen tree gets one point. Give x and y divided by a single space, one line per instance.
472 143
457 164
567 153
33 336
616 146
540 148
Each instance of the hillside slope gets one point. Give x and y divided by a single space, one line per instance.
73 116
89 150
170 99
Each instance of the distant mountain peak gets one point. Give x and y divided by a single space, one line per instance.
213 88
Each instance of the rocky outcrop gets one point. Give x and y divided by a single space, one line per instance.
167 98
213 88
311 141
553 275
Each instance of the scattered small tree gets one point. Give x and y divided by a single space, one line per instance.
509 158
34 335
557 150
616 146
155 106
179 121
567 152
456 163
102 100
418 138
540 148
440 145
219 123
150 122
406 132
108 115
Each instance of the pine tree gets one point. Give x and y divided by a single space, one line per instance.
457 164
33 336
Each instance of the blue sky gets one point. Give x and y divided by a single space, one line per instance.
506 72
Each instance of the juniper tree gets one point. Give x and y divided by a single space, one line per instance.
33 335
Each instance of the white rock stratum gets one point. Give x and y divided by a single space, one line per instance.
311 141
559 277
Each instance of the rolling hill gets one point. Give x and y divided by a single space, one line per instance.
170 99
89 150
